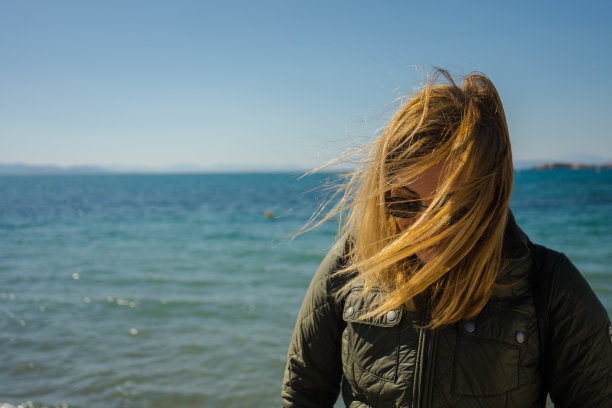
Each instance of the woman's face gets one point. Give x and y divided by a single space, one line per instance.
424 189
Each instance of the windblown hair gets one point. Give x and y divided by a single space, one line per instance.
463 131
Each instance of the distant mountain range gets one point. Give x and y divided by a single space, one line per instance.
19 168
26 169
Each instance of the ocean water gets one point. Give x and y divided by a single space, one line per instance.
179 291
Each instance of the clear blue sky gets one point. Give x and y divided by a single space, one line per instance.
263 83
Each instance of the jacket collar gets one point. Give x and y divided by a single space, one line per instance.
516 261
516 243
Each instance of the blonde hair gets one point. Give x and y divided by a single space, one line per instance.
463 131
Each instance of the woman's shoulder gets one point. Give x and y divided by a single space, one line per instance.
573 307
336 260
559 276
578 330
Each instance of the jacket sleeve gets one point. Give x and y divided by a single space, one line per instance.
580 344
314 369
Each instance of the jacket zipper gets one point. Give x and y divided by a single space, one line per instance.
429 369
417 393
425 363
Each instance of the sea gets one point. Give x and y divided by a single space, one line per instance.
183 290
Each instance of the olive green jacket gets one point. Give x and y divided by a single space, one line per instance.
492 360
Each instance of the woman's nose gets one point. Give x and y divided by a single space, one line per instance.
403 223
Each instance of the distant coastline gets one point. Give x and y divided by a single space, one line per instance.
22 169
9 169
572 166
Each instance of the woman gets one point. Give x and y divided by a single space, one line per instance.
434 297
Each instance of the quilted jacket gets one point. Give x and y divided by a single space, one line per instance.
492 360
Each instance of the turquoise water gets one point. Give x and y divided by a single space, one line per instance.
157 291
